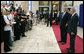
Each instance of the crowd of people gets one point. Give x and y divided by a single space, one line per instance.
48 17
15 22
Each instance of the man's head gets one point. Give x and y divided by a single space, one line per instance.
11 11
7 5
3 5
16 4
72 10
65 9
7 11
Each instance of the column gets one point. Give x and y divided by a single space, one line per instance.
50 6
30 5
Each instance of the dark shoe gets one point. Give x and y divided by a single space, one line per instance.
15 39
18 39
68 49
59 41
71 51
24 36
7 50
63 43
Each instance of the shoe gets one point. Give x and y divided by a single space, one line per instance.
46 26
71 51
24 36
59 41
8 50
18 39
63 43
68 48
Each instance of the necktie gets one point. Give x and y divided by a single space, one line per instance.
71 17
8 18
49 15
19 22
62 15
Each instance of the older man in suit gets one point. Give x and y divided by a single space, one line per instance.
72 29
64 19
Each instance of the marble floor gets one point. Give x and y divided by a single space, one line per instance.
40 39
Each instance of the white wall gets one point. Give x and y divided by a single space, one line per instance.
35 6
19 2
78 2
77 5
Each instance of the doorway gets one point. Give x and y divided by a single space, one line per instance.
43 9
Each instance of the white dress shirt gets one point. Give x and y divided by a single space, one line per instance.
58 14
73 13
7 28
7 7
16 7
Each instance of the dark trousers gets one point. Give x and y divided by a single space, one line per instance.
23 24
49 21
72 41
6 40
17 33
64 35
56 20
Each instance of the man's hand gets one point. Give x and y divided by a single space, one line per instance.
72 33
22 20
8 24
66 25
24 16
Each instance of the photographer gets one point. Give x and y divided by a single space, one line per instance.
23 23
17 28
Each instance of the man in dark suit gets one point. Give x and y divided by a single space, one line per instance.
55 16
64 19
17 29
58 16
23 24
2 33
49 19
72 29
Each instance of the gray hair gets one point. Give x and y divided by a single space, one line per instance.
73 9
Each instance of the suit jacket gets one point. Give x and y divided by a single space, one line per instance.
72 24
41 15
2 28
17 28
18 22
48 16
65 20
55 15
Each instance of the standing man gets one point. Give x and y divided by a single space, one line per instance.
58 16
12 7
63 28
72 29
2 32
16 7
23 24
17 29
55 16
49 19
